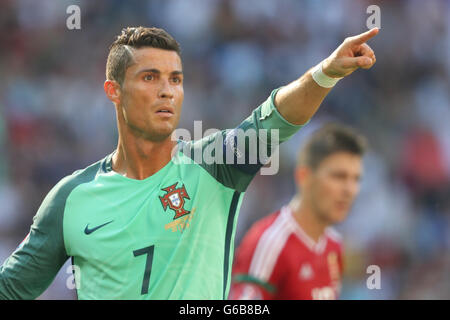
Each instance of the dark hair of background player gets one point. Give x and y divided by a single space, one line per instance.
330 139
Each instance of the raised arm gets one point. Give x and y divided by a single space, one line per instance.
298 101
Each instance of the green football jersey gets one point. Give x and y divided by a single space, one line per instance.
169 236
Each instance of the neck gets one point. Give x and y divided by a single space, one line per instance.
139 158
308 220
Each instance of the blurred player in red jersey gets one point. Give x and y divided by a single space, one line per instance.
294 253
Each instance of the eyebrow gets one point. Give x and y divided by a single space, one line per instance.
176 72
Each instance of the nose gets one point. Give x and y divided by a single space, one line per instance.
165 90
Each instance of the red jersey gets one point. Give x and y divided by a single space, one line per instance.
278 260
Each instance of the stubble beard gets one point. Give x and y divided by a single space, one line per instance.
150 134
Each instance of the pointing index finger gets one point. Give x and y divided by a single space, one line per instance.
363 37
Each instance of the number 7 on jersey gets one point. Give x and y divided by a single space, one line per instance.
148 265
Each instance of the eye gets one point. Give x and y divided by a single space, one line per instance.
339 175
148 77
176 80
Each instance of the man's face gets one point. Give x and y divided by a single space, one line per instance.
152 93
331 188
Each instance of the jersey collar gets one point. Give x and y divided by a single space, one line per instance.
316 247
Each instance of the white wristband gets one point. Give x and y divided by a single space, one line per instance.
321 78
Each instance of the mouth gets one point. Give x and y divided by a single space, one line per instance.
165 110
343 205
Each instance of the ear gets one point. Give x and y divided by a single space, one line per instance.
301 176
112 90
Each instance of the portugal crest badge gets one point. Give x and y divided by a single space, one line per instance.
174 200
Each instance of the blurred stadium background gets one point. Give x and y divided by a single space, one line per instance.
55 117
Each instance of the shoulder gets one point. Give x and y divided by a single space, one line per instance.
79 176
267 240
267 236
262 225
101 166
254 234
57 196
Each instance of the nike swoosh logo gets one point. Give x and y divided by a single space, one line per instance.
89 231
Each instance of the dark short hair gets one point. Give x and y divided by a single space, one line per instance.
120 57
330 139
